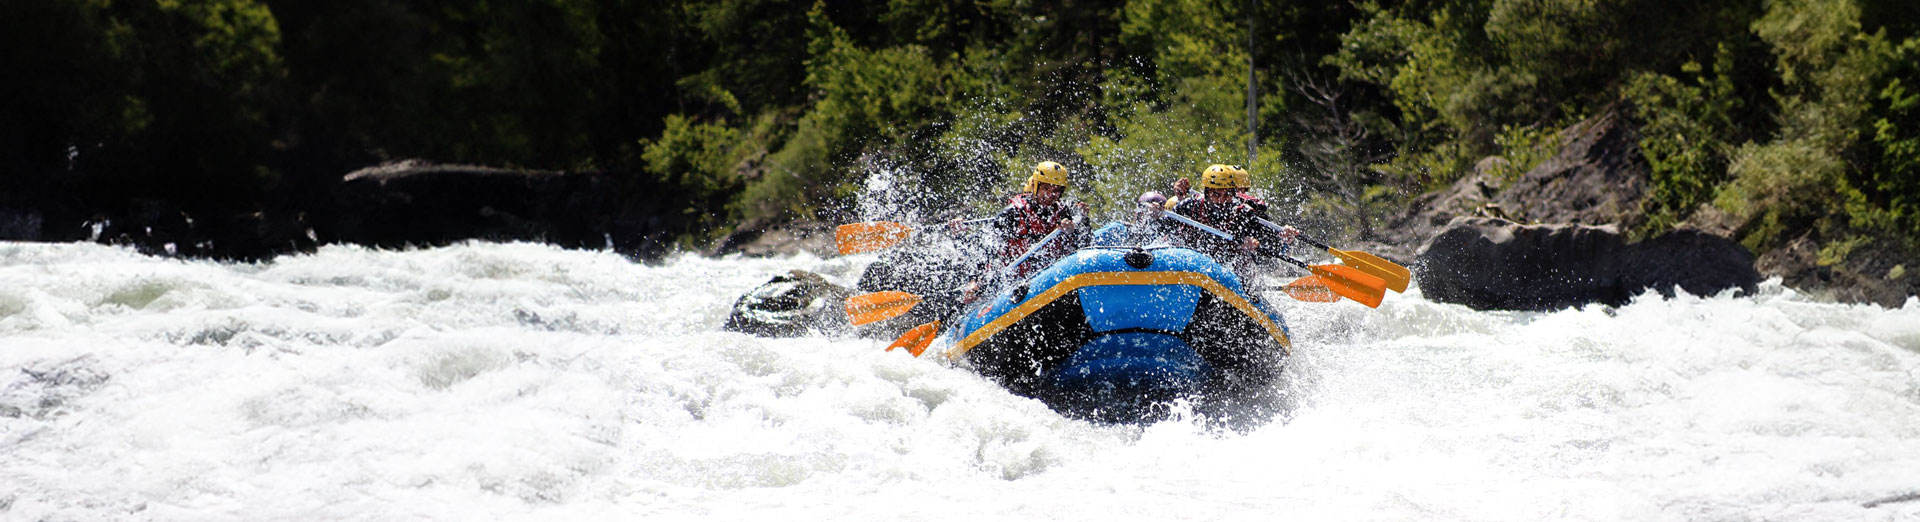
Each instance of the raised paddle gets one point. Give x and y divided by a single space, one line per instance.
1345 281
920 337
879 306
854 238
1393 274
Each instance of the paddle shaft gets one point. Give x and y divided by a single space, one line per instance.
1296 262
1223 235
967 222
1009 270
1276 227
1196 224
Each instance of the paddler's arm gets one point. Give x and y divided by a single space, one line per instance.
1195 238
1079 233
1002 226
1252 236
1274 240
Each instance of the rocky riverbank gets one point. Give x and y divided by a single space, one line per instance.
1559 235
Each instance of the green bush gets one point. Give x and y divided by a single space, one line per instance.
797 180
1894 179
1685 128
700 158
1150 148
1524 148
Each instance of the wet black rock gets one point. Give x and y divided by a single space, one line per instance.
1496 264
393 205
787 239
799 302
790 305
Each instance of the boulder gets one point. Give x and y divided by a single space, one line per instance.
800 302
790 305
1496 264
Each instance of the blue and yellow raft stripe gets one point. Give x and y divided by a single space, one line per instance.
1076 282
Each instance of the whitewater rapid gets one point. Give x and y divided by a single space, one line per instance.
523 382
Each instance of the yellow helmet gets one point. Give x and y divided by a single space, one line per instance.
1219 176
1045 172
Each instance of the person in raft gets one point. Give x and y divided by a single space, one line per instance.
1225 204
1040 208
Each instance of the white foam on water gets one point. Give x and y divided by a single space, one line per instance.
522 382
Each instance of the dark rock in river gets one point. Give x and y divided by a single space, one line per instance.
393 205
790 305
781 240
1496 264
799 302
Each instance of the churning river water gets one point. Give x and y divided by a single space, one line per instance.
521 382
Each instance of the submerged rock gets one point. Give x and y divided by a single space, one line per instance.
1495 264
799 302
790 305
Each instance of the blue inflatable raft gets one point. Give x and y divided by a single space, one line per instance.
1118 334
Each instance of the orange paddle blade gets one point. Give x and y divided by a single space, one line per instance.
879 306
918 339
854 238
1311 289
1351 283
1392 273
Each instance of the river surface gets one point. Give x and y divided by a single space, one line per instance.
523 382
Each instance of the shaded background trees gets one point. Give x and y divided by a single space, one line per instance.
1783 117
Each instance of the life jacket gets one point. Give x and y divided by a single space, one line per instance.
1216 215
1258 205
1030 223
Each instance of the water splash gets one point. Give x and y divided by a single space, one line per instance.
522 382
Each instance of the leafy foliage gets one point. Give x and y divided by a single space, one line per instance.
1796 117
1894 148
1687 129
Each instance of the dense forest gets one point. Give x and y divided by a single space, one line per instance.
1789 116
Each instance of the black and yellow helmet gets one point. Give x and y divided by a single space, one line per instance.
1219 176
1045 172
